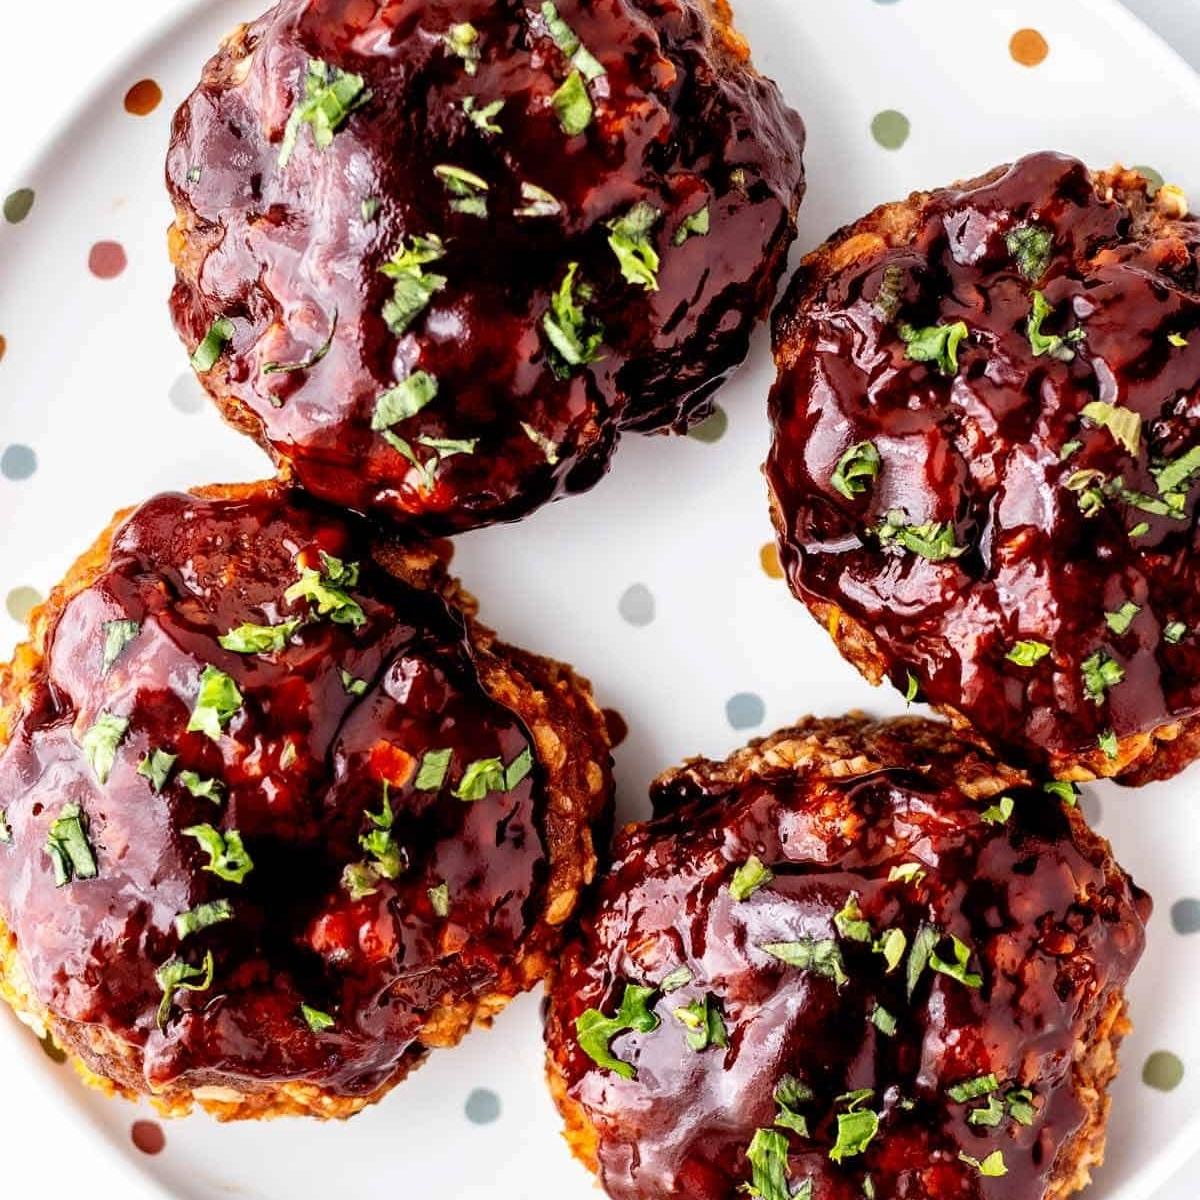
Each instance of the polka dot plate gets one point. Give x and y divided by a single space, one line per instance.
661 584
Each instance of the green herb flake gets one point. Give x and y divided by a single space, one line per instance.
748 878
1056 345
1067 792
1174 632
482 776
327 590
390 859
359 880
100 742
890 293
351 685
537 202
993 1166
548 448
200 787
910 872
574 339
202 916
467 191
810 954
933 540
697 224
912 687
518 769
259 639
892 946
937 344
1100 672
973 1089
175 975
227 857
219 335
768 1158
855 1131
1069 448
369 209
851 923
1139 530
595 1032
404 400
678 978
67 845
156 766
439 899
572 105
1027 652
957 967
117 635
1120 620
629 240
1177 340
462 40
856 470
918 956
483 118
330 96
998 813
1124 424
217 701
1030 245
315 1019
1089 487
412 286
704 1024
1179 473
567 40
432 772
789 1094
1019 1104
883 1021
989 1115
309 361
1107 741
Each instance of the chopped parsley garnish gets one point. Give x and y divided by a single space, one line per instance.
219 335
1107 741
518 769
856 470
891 945
883 1021
629 239
851 923
704 1024
432 772
1124 424
575 339
359 879
1177 340
330 96
380 842
467 191
1179 473
595 1032
998 813
1056 345
439 899
216 703
973 1089
463 41
937 344
956 969
100 742
117 635
327 590
202 916
175 975
538 202
1019 1103
227 857
1089 487
404 400
315 1019
1100 672
259 639
1067 792
918 956
412 286
910 872
481 118
890 293
200 787
1139 530
789 1094
68 847
1120 620
309 361
992 1166
933 540
369 208
567 40
809 954
1027 652
1174 632
156 767
912 687
1069 448
351 685
572 105
697 224
749 877
486 775
680 977
548 448
1030 246
768 1158
855 1128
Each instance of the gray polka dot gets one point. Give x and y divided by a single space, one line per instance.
483 1107
186 394
1185 916
1090 807
745 710
712 428
17 461
637 604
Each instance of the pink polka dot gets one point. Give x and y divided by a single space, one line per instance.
107 260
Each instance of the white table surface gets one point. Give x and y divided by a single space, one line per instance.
88 34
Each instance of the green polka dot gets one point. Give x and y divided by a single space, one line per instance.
51 1049
17 205
1163 1070
21 601
890 129
1153 178
711 429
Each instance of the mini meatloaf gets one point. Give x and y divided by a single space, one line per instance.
986 439
436 257
278 815
854 960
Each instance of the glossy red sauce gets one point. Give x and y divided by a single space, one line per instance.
282 250
299 765
1054 928
982 449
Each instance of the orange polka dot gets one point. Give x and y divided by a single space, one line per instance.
106 260
148 1136
1028 47
617 729
768 556
143 98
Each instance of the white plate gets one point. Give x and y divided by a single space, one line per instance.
95 383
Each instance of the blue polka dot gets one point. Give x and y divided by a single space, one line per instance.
1185 916
637 604
482 1107
745 710
17 462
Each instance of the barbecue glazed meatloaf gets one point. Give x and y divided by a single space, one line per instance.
436 256
853 960
986 438
279 815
